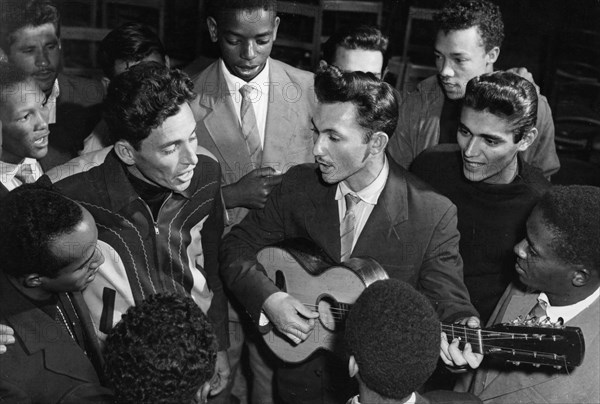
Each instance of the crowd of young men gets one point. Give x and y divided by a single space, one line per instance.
148 241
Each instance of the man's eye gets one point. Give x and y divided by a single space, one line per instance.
232 41
263 41
334 138
463 132
492 142
169 150
24 118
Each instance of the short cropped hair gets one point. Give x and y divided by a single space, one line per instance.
463 14
364 37
17 14
141 98
162 351
130 42
217 8
394 334
11 79
31 218
506 95
375 101
572 213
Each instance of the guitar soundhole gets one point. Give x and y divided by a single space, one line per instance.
280 281
331 313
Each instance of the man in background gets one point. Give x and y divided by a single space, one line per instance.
23 128
363 49
30 38
468 41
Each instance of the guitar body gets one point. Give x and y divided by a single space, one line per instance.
298 269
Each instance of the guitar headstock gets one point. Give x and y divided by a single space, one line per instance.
535 342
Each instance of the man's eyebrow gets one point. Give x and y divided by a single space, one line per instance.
162 146
87 260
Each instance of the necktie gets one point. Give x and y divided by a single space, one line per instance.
25 174
347 227
250 127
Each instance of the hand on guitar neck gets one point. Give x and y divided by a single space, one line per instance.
451 353
290 316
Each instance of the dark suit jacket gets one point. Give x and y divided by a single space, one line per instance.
411 232
45 363
78 110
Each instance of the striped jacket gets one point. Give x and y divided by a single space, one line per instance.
175 252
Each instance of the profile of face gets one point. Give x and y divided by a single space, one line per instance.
167 157
538 266
340 149
486 141
36 51
24 117
245 38
359 60
79 248
460 56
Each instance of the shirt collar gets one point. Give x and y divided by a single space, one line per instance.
234 83
370 194
411 400
567 312
8 171
51 102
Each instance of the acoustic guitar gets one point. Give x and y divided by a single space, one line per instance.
301 269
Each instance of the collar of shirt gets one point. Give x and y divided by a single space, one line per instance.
567 312
411 400
259 95
8 172
51 102
370 194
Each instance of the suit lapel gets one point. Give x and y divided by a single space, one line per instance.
386 217
279 128
322 222
222 125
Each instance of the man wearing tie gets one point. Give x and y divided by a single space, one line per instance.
355 202
23 128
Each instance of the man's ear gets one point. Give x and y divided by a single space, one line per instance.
493 54
212 29
167 61
378 142
352 366
527 139
275 27
202 394
581 276
125 152
105 82
33 281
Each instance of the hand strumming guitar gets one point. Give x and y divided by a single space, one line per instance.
290 316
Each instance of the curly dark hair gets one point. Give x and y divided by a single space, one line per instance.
16 14
141 98
376 101
394 334
464 14
506 95
572 213
130 42
162 351
364 37
31 218
218 8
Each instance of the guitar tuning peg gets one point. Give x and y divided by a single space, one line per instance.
536 365
557 367
516 363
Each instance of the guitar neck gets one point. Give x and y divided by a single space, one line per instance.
465 335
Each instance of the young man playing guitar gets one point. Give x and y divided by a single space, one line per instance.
355 202
559 257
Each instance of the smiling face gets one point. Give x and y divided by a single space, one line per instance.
78 248
245 38
167 157
489 152
359 60
460 56
537 265
340 149
36 51
24 117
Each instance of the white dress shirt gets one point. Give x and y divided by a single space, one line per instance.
567 312
259 96
51 102
8 172
368 199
